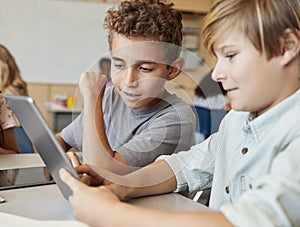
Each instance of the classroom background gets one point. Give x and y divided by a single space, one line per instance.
53 41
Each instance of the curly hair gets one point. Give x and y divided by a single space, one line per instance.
10 77
153 20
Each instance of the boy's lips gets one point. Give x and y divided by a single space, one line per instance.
230 90
131 96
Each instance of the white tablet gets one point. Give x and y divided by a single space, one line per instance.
42 138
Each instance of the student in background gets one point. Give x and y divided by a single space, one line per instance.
139 119
104 66
8 141
252 162
11 81
8 121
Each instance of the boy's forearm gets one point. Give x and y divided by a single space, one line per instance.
92 127
96 149
130 215
156 178
94 117
61 141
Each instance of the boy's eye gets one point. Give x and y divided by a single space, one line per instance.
119 66
145 69
230 56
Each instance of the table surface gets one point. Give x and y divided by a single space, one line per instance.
47 203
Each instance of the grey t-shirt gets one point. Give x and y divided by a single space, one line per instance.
140 136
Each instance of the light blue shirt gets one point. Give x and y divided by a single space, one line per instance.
251 164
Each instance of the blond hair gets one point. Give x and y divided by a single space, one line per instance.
262 21
10 77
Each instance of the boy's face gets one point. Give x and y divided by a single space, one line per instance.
253 83
137 71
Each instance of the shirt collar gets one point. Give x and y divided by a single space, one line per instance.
262 124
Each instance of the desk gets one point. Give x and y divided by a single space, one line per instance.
61 116
47 203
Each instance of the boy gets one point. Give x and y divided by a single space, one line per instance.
140 119
252 161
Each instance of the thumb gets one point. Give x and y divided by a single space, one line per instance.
71 181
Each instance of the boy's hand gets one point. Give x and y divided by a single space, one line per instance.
73 157
91 83
89 202
89 176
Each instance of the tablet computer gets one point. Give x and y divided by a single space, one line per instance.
42 138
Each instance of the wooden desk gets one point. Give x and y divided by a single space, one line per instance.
47 203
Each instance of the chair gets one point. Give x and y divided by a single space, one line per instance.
208 121
24 142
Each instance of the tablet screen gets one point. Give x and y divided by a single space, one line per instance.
24 177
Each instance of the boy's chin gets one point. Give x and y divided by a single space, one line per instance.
141 104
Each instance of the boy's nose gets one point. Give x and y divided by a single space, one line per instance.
218 74
130 77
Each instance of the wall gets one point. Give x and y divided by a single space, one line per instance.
198 6
53 41
43 93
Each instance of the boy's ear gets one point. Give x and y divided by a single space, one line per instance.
290 44
175 68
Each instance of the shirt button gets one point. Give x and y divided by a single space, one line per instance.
244 150
227 189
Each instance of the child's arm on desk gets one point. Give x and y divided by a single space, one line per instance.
94 205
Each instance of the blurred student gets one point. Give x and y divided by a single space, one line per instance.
11 81
8 141
252 162
138 119
104 66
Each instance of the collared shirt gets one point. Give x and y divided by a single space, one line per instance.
251 164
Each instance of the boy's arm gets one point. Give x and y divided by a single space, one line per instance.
129 215
96 149
99 122
156 178
64 145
